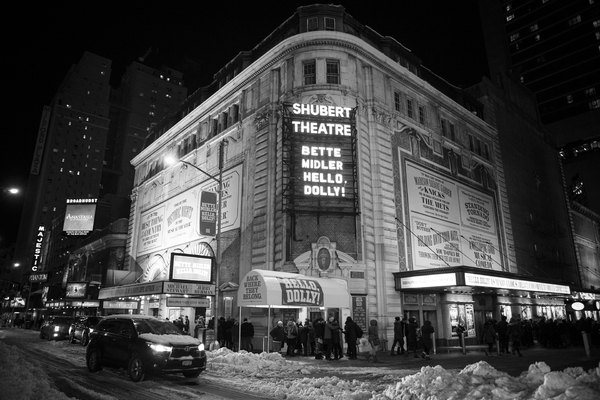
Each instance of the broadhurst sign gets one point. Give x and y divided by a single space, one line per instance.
321 139
79 216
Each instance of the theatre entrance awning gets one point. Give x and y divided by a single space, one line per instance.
264 288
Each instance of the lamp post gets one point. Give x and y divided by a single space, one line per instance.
219 180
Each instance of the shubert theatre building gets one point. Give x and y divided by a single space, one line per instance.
349 182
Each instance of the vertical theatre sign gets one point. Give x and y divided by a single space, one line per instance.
320 156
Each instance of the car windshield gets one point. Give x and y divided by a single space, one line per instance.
157 327
62 321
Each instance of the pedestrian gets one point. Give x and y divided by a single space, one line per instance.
298 347
411 337
278 336
427 339
489 336
340 342
247 335
311 336
331 338
319 326
502 334
291 334
350 334
304 338
186 325
398 337
514 335
235 335
373 340
228 324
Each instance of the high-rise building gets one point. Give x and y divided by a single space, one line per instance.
553 48
88 135
68 156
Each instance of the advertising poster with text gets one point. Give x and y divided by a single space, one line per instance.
178 220
452 225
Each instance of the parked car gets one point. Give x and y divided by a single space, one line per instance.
56 327
144 345
81 327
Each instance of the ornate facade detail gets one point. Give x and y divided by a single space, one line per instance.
262 119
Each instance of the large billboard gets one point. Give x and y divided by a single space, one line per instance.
452 224
190 215
320 158
191 268
79 216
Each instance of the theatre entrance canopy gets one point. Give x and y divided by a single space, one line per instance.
274 289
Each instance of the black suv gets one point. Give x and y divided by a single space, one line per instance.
55 327
81 327
144 345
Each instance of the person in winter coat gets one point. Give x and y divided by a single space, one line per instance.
373 340
398 336
331 337
291 335
303 347
489 336
427 339
502 329
311 336
411 337
235 335
278 336
350 337
319 325
247 335
514 335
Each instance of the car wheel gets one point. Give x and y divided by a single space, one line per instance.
192 374
84 339
136 368
93 361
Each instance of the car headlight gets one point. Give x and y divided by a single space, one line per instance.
160 347
56 328
201 346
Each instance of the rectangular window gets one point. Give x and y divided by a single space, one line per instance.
312 24
333 72
444 124
422 114
452 136
329 24
471 146
514 36
409 108
397 100
310 73
575 20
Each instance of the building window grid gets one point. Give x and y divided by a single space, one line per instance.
409 108
333 72
421 114
397 101
329 24
312 24
310 73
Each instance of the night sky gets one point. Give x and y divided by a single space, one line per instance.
196 38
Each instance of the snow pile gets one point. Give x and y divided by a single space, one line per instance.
482 381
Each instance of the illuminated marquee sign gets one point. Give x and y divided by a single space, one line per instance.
79 216
191 268
322 165
76 290
37 252
508 283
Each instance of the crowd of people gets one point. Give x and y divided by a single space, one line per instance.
546 332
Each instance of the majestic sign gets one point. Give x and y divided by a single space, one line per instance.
321 143
452 224
301 292
37 251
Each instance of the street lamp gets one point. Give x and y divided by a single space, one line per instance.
169 160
